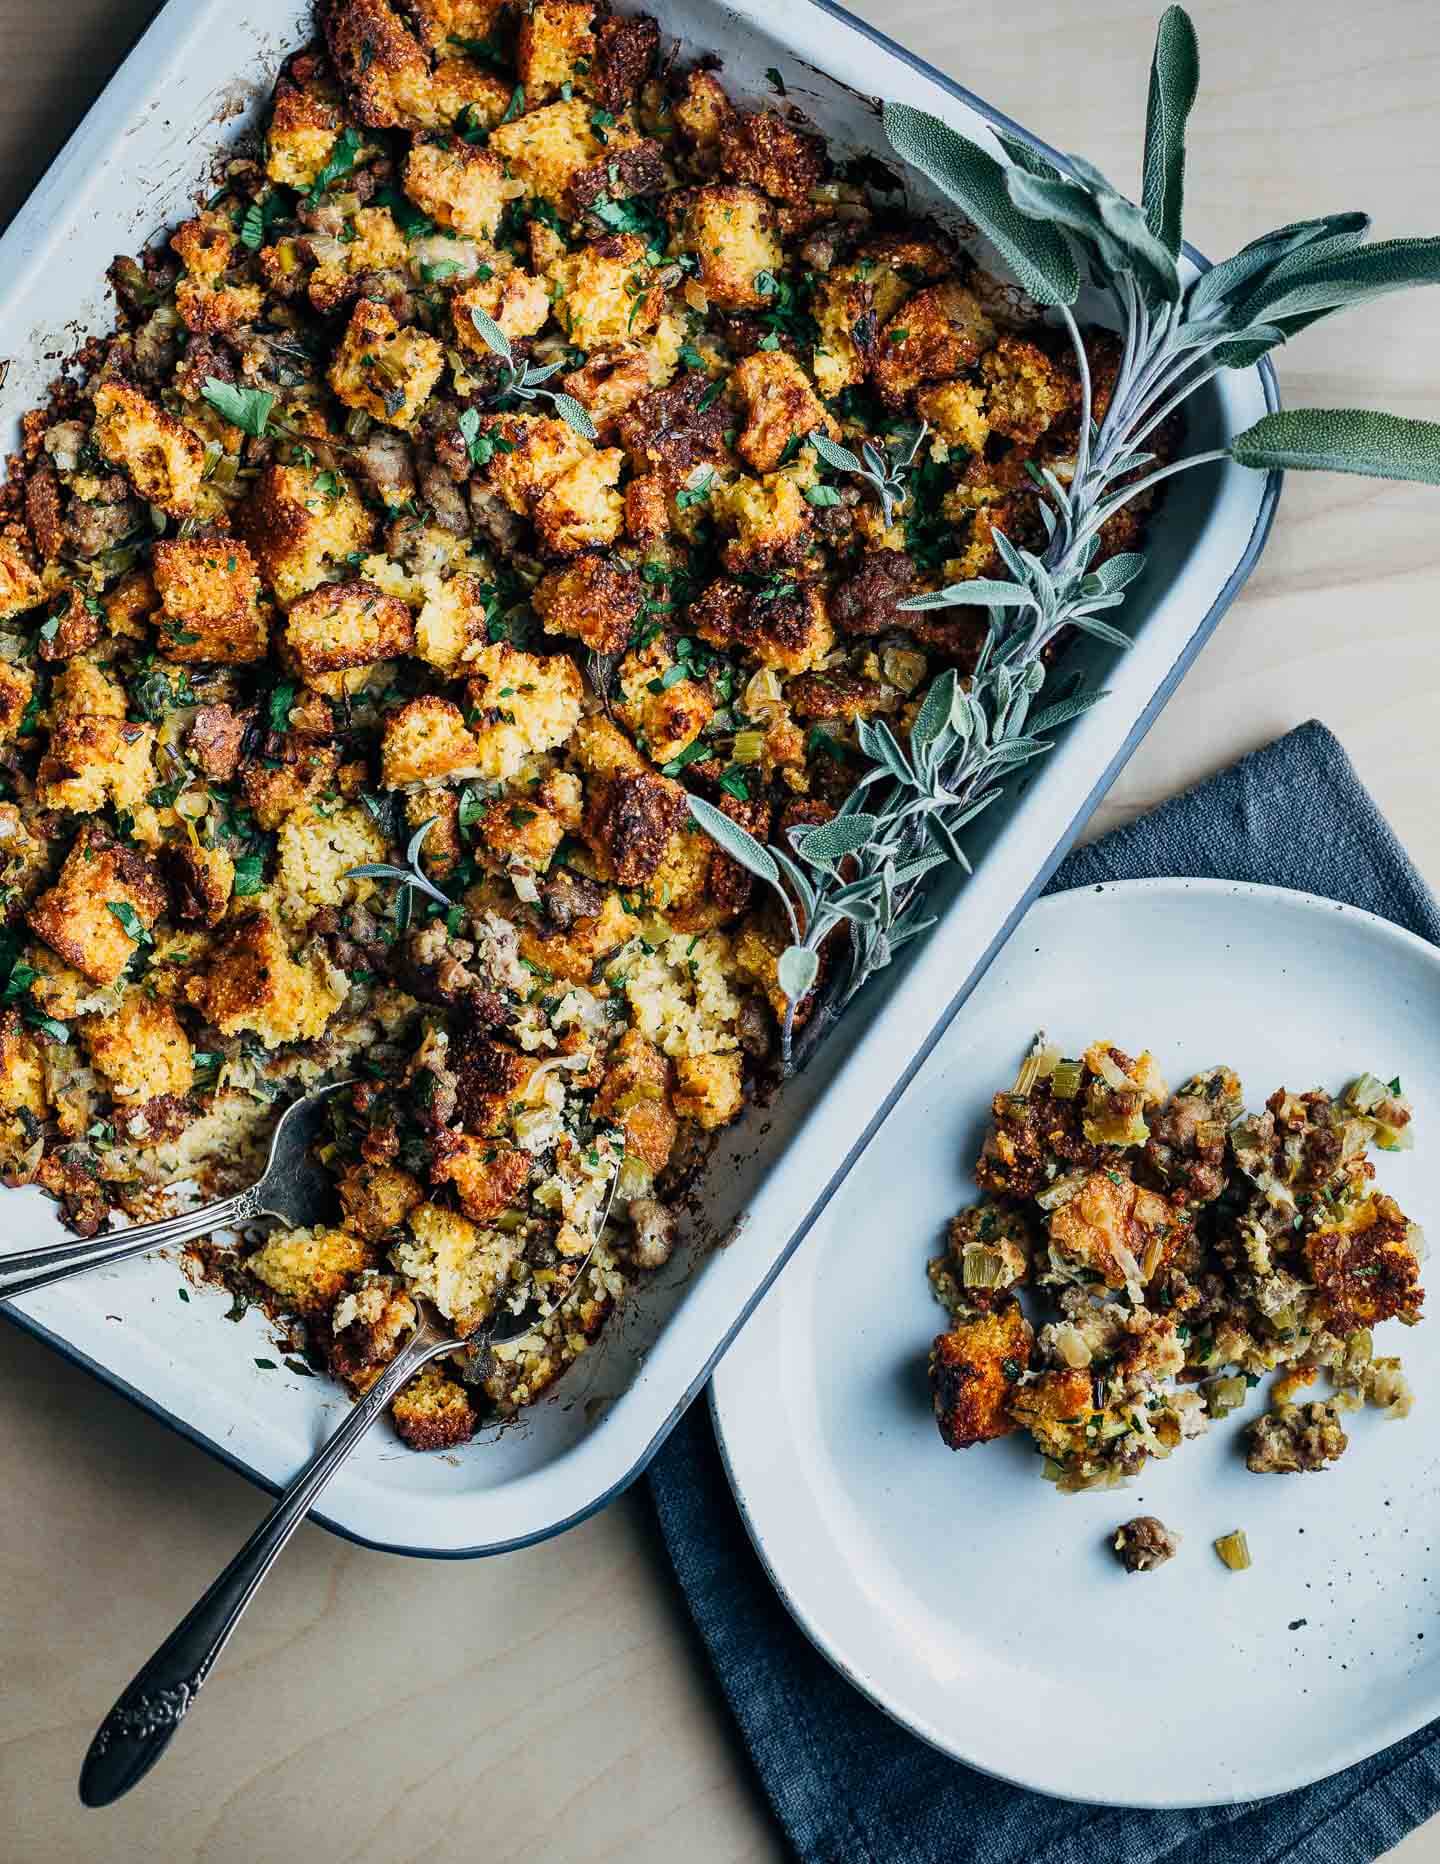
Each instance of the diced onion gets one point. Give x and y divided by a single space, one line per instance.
903 668
1222 1396
1234 1550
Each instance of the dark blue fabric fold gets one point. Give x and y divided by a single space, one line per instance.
847 1784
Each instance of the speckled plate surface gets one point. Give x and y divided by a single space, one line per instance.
960 1592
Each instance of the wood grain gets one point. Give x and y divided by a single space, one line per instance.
553 1705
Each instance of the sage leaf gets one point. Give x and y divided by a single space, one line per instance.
1346 278
825 843
735 841
1064 710
1025 155
491 335
1354 440
934 714
982 591
1227 278
1102 630
1116 573
841 459
1174 80
797 970
1113 226
1036 253
576 415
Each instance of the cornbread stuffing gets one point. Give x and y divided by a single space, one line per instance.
301 578
1183 1249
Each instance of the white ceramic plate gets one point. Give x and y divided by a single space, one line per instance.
960 1592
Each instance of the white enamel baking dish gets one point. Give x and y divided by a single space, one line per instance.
136 164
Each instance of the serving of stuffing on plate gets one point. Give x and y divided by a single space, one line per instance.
443 500
1183 1249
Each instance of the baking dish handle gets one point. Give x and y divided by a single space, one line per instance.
28 1269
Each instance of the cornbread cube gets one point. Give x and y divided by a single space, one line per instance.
956 411
304 125
780 405
763 149
791 632
665 713
20 588
141 1049
606 385
458 1265
459 184
452 620
731 231
81 686
855 299
601 749
164 459
315 853
595 599
213 310
309 1269
299 524
514 831
492 1084
1365 1262
201 881
582 509
532 451
1024 390
937 333
386 71
557 46
129 603
427 741
773 523
92 761
206 246
377 245
17 688
276 787
209 601
604 295
343 626
708 1089
252 982
488 1175
1114 1229
74 917
459 87
516 300
703 112
546 149
626 47
383 368
526 704
975 1369
367 1325
636 1091
377 1199
22 1068
434 1412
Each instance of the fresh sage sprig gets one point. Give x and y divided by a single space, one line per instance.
517 379
864 869
411 877
883 467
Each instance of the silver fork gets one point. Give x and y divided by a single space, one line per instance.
142 1723
294 1187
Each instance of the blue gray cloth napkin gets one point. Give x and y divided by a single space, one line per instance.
848 1785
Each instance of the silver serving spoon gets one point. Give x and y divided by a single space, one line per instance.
140 1726
294 1188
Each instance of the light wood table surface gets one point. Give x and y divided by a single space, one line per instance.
554 1705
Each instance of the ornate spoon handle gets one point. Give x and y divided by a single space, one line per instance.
25 1270
138 1729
